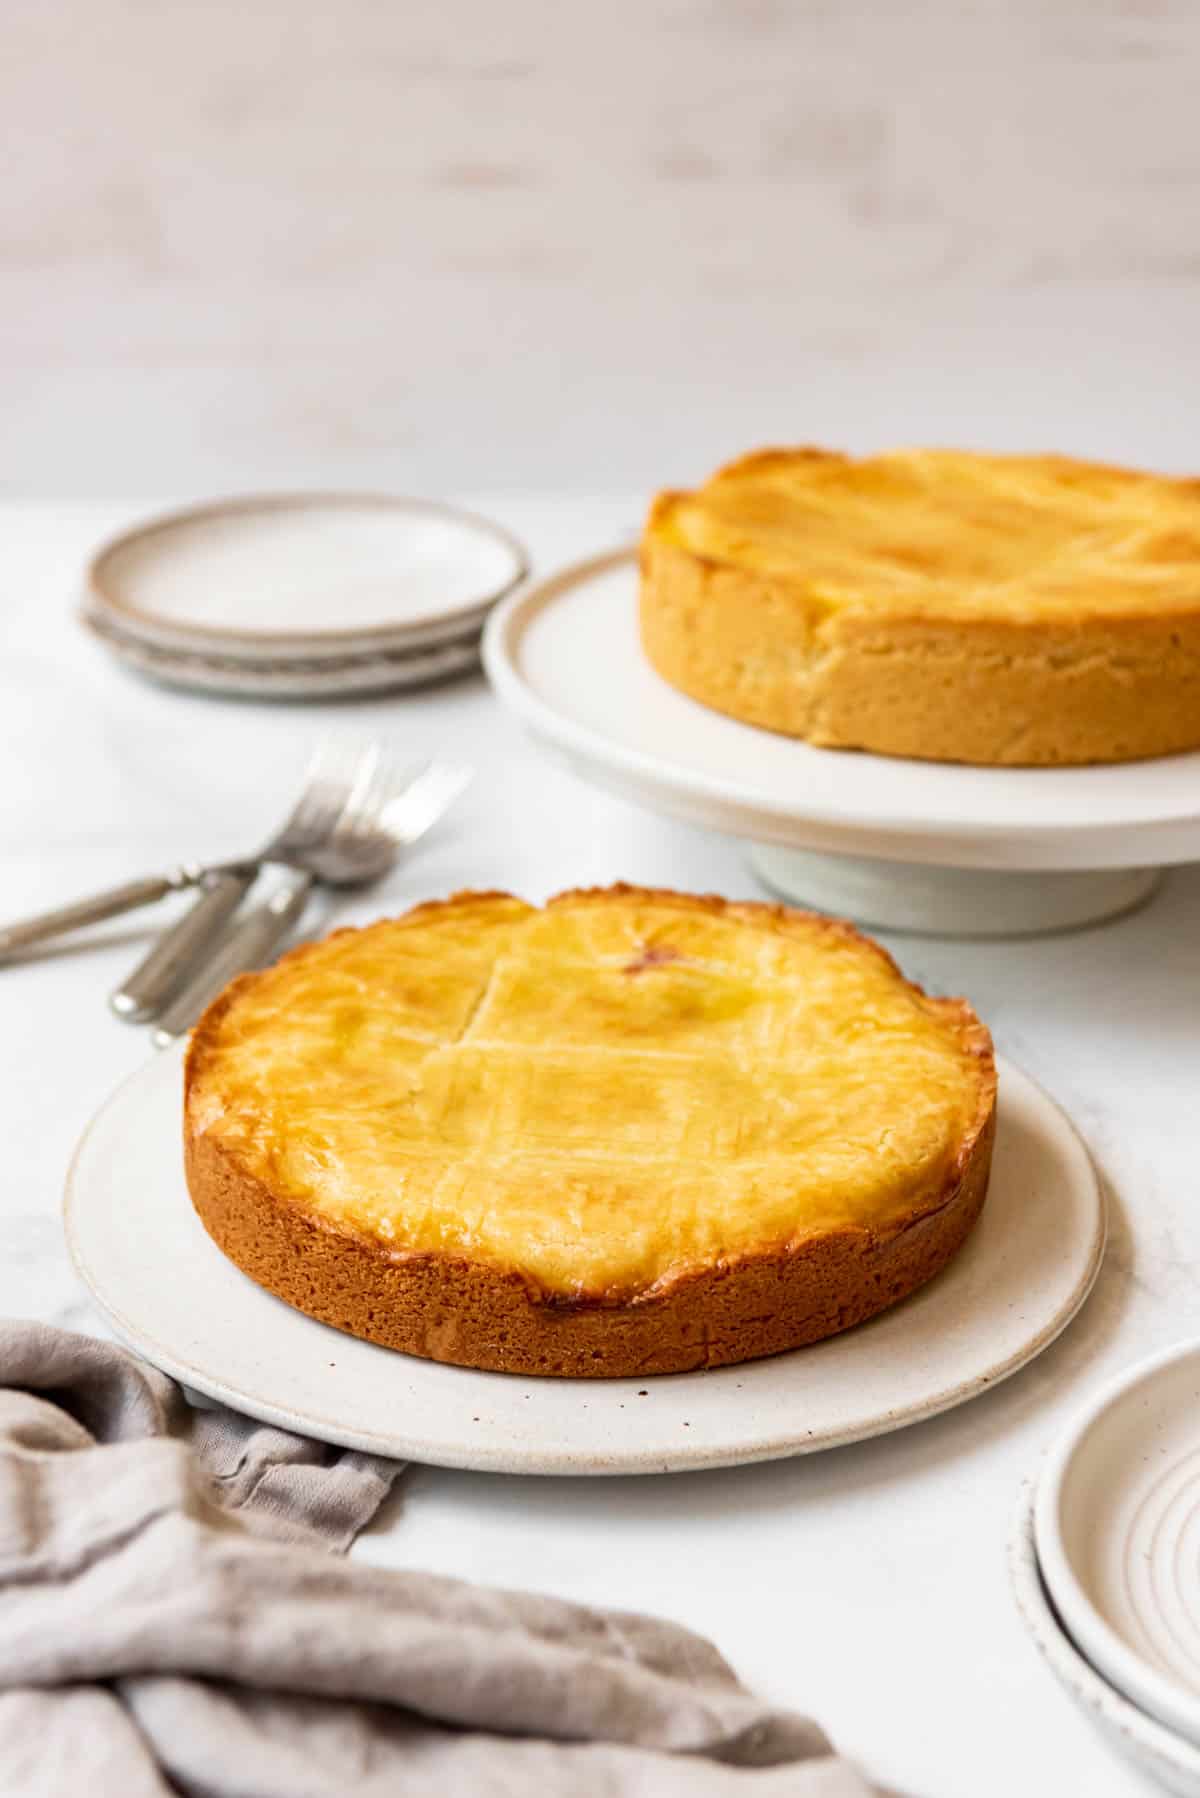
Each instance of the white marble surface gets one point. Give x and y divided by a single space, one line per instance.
866 1585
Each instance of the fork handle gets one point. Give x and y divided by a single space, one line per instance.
109 904
179 948
249 944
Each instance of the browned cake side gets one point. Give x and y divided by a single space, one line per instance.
474 1315
994 610
473 1311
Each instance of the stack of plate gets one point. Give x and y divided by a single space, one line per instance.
1106 1565
302 596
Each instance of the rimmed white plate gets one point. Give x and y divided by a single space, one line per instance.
1152 1748
170 1293
316 678
290 576
564 654
1118 1534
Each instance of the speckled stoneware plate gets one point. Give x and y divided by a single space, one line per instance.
286 577
1156 1751
1118 1534
169 1292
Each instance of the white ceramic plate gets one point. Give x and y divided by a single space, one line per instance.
1118 1535
170 1293
1154 1750
318 678
296 575
565 656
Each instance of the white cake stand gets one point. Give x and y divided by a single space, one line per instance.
905 845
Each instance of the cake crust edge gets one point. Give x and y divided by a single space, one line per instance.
472 1313
1059 691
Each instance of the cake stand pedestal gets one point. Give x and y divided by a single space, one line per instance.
912 897
902 845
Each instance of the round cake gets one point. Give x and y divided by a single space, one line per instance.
1020 610
633 1132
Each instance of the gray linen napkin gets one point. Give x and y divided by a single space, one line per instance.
172 1620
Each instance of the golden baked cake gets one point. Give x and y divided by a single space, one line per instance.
631 1133
967 608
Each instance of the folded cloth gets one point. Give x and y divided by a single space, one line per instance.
172 1619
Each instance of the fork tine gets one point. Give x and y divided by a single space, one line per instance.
333 769
399 804
409 813
365 804
372 792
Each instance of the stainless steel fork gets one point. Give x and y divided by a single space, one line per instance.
331 763
329 783
389 809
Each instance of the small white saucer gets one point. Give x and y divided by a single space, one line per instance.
1154 1750
901 844
289 577
169 1292
1118 1535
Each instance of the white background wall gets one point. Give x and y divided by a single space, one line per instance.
454 244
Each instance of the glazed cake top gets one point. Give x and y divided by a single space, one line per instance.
600 1095
949 533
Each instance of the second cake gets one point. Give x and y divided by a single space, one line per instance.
1004 610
